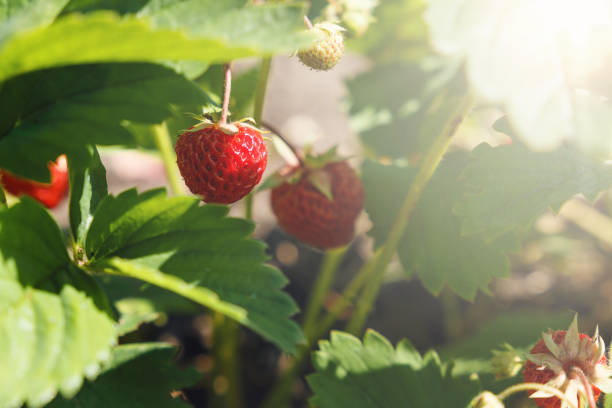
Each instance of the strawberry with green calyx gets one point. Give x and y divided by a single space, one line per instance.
318 201
221 161
49 194
571 362
324 54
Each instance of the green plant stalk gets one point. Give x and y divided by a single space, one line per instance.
260 96
226 342
427 168
324 281
164 146
278 396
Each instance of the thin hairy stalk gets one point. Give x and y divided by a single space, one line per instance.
291 147
227 90
164 146
533 386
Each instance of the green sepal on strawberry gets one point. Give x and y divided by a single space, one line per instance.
318 201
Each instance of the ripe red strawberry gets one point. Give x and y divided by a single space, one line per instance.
48 194
566 360
305 212
221 167
324 54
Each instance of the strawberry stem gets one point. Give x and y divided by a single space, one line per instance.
577 372
528 387
429 164
307 22
293 149
226 92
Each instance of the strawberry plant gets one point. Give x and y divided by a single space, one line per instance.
424 250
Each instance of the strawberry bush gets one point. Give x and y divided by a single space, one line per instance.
454 228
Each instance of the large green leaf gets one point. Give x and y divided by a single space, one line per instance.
514 185
518 56
520 328
21 15
432 245
267 27
105 37
62 110
54 322
138 376
372 374
392 105
120 6
197 252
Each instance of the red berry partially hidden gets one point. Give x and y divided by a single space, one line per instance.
49 194
567 360
305 212
219 166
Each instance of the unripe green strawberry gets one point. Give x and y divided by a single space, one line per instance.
326 52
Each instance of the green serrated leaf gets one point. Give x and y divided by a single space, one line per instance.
119 6
94 37
397 108
374 374
87 188
22 15
134 312
432 245
55 326
267 27
62 110
138 376
512 185
197 252
542 94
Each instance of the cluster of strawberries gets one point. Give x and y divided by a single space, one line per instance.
224 163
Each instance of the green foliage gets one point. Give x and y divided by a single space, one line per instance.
119 6
21 15
138 376
54 321
513 185
432 245
352 374
62 110
94 37
268 27
87 188
393 121
540 89
133 313
521 329
197 252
